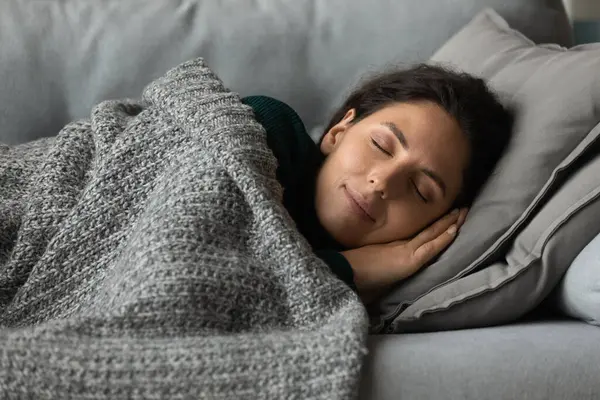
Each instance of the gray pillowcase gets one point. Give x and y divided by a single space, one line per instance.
556 92
516 276
578 293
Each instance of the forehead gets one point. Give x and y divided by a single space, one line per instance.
425 120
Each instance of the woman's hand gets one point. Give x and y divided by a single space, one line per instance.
377 267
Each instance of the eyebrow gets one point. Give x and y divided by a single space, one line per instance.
392 127
398 133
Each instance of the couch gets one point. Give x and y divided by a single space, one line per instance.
59 58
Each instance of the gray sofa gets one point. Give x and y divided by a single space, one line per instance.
59 58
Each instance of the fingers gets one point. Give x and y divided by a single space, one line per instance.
433 240
435 230
424 253
462 217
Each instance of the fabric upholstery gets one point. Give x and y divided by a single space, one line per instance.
59 58
538 360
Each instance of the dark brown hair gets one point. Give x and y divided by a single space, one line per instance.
485 121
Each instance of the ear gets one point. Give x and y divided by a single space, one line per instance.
334 136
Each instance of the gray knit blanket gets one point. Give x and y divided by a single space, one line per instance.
145 254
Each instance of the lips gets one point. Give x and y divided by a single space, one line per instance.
361 203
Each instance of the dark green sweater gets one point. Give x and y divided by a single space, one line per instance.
299 162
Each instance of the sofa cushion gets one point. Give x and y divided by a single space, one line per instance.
540 360
556 93
578 293
59 58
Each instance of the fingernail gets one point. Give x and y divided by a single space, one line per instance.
452 230
455 211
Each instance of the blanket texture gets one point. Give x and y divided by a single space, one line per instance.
145 254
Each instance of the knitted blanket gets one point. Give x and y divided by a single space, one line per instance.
145 254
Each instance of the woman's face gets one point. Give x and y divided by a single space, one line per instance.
391 174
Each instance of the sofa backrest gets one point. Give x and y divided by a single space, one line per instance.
59 58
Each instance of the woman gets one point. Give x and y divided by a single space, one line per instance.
373 196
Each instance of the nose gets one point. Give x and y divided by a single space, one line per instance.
386 180
378 188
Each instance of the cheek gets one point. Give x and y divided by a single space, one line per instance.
352 159
405 220
402 220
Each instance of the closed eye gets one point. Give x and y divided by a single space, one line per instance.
418 192
380 148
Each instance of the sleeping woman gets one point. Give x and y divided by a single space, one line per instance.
388 185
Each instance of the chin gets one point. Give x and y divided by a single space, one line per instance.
347 241
337 232
334 218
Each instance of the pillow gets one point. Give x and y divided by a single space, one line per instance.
578 293
556 93
513 282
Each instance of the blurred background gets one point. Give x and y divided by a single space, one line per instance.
585 17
